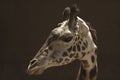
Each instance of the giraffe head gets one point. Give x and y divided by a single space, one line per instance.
61 47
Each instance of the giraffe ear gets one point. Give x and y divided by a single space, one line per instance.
66 13
73 18
93 32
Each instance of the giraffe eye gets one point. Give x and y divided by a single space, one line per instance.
66 38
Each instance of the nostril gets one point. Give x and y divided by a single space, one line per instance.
33 61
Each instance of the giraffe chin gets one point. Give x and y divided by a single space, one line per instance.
36 71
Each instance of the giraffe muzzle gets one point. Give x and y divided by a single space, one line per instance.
34 69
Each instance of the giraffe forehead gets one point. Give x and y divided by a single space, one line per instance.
57 30
60 31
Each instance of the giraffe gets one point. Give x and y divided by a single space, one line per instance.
71 40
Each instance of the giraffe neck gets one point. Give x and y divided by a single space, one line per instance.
84 49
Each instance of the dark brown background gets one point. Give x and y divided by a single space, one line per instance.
25 25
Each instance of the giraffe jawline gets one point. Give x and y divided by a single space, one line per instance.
35 71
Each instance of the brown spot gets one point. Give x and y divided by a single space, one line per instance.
83 54
85 63
78 47
61 59
50 48
66 59
93 73
79 42
72 54
92 59
74 48
83 47
65 54
81 39
76 39
46 50
69 49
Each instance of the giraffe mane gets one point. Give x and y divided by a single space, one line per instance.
93 32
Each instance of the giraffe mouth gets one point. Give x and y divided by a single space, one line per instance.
35 71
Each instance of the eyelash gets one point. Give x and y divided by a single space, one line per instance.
66 39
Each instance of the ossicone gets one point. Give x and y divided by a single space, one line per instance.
70 12
74 10
66 13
